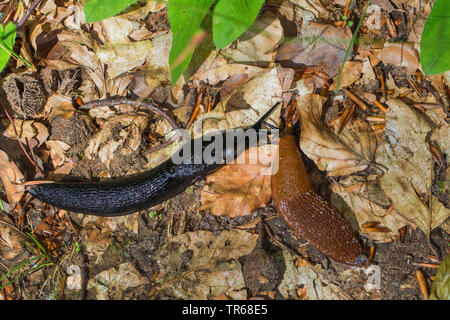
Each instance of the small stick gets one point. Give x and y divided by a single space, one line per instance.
404 94
371 253
346 10
376 119
429 87
379 105
415 87
27 15
426 105
378 126
427 265
346 116
355 99
422 284
196 108
382 82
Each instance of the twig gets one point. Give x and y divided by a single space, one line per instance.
429 87
422 284
38 169
114 102
355 99
27 15
380 106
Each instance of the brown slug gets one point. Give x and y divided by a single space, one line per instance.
315 220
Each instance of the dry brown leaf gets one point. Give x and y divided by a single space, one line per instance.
258 43
11 178
351 151
400 55
10 238
28 130
370 206
113 284
122 133
202 265
239 189
59 106
351 73
405 153
311 277
57 149
99 232
319 45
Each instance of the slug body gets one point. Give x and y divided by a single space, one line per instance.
315 220
137 192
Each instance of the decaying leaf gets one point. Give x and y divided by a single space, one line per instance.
57 149
202 265
350 73
258 43
11 178
319 45
99 232
400 55
309 277
28 130
10 238
405 153
122 133
369 204
112 283
351 151
239 189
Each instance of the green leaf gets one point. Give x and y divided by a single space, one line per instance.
7 39
185 18
440 288
96 10
232 18
435 44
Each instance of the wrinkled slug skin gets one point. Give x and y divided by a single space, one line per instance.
316 220
134 193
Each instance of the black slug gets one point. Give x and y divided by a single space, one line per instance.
137 192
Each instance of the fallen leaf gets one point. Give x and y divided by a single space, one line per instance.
370 206
201 265
111 284
99 232
122 133
350 73
341 154
257 44
28 130
319 45
11 178
311 277
400 55
10 238
57 150
239 189
405 153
